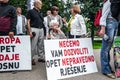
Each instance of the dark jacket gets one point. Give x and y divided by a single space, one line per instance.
114 1
115 9
9 11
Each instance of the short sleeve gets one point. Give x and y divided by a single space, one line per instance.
29 14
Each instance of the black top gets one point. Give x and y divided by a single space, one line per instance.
115 9
115 1
36 18
9 11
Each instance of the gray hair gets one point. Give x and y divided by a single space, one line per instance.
53 22
37 1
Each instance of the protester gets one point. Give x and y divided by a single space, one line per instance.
55 16
108 30
35 25
48 13
76 25
8 19
55 32
21 22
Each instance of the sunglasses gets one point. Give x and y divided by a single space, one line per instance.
56 10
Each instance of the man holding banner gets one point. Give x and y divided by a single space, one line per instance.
8 19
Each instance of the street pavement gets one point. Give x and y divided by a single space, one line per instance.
38 72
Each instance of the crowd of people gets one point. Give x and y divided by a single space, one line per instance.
49 27
40 28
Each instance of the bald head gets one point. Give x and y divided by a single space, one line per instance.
4 1
38 4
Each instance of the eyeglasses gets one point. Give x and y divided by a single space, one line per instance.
56 10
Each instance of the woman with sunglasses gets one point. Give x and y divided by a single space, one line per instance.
55 16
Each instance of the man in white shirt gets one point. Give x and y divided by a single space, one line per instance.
46 22
21 22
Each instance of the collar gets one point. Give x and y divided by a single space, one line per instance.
3 4
19 15
76 15
36 10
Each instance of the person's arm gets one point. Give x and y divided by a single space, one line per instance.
102 31
14 22
65 22
105 12
82 24
60 22
61 33
48 36
29 28
29 31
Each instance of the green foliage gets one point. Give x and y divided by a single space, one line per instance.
117 41
97 44
19 3
88 9
47 4
67 7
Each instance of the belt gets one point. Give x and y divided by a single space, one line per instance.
37 27
111 19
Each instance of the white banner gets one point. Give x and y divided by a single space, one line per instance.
15 53
69 57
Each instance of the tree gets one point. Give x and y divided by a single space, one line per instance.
19 3
47 4
88 9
